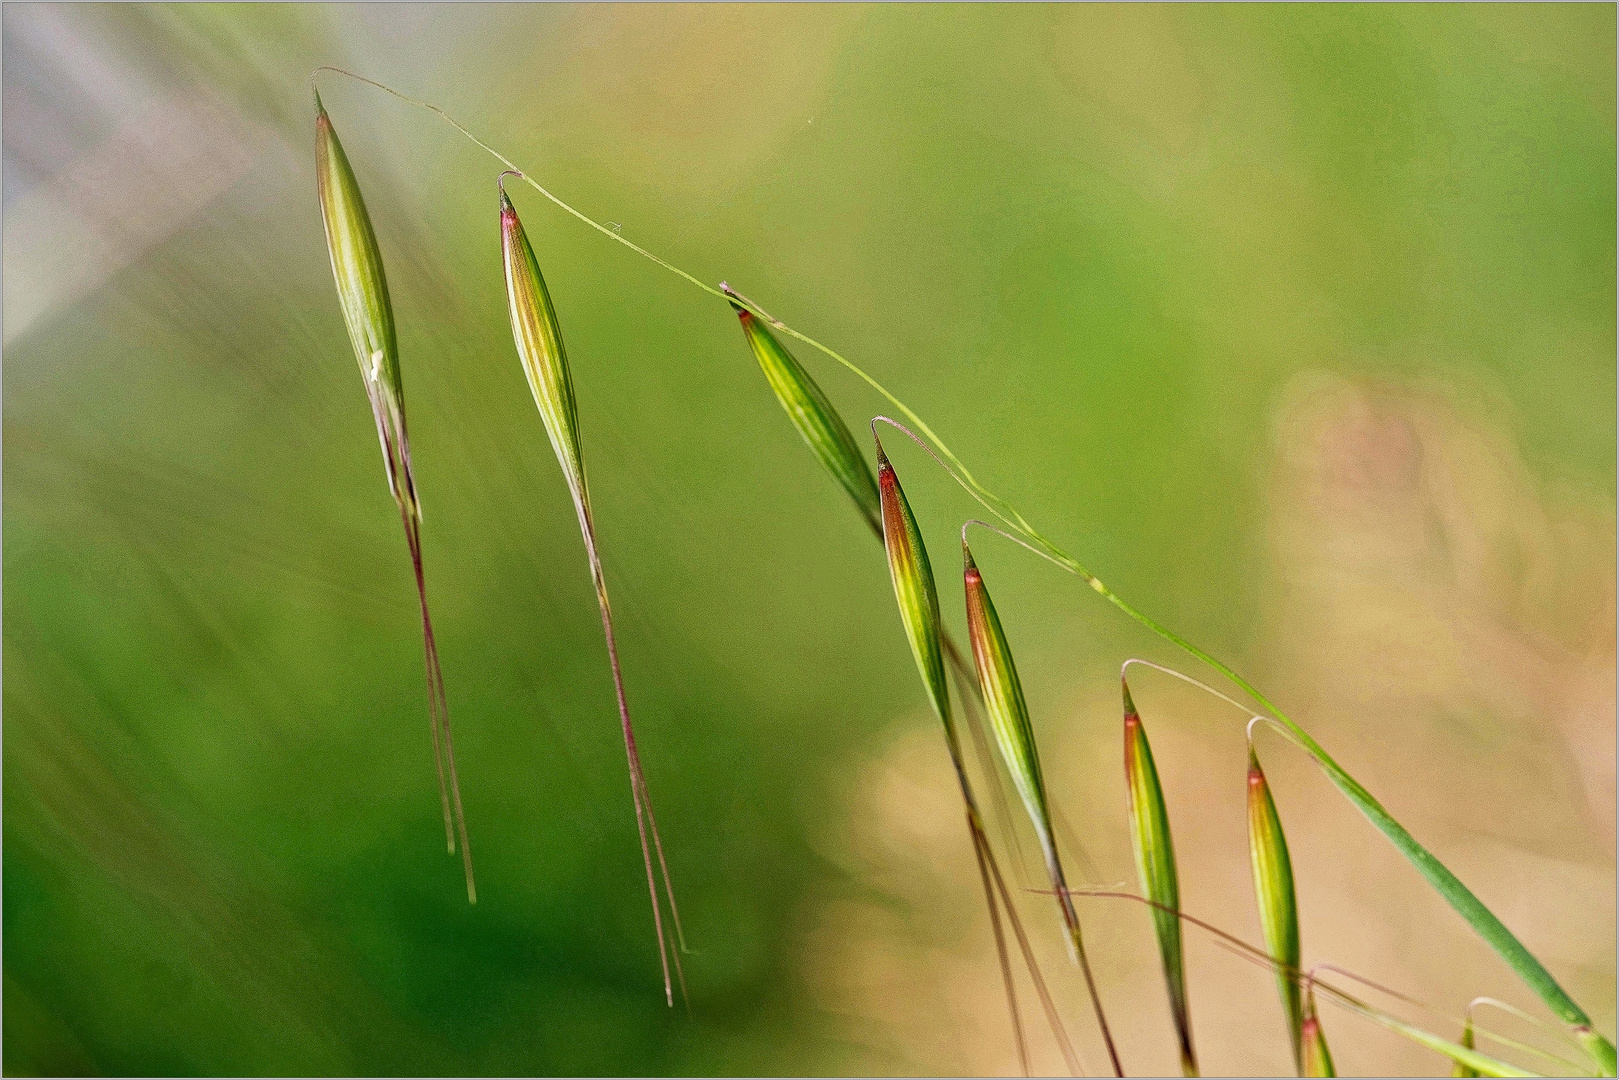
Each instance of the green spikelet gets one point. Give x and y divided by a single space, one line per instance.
1014 738
538 337
1155 862
912 575
1278 906
362 291
808 407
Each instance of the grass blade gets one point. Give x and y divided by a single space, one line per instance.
538 336
1278 906
1014 737
1155 862
362 290
982 855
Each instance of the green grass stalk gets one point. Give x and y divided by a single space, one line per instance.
1483 921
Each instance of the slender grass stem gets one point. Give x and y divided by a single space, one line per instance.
1481 918
1532 1021
1124 670
1053 1018
1439 1014
980 846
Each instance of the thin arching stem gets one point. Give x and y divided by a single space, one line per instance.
1417 1003
1124 669
1512 1010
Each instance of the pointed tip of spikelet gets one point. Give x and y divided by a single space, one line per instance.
1130 715
320 110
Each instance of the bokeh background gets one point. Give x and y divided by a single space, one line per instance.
1298 324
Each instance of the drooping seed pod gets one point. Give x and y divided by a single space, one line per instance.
1317 1058
1014 738
912 575
1008 711
362 291
1155 862
811 412
538 337
1278 905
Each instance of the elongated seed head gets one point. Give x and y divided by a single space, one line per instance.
538 337
811 412
362 291
1155 862
1278 906
1003 700
914 589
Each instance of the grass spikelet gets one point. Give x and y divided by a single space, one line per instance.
1278 906
1014 737
538 337
912 575
811 412
918 599
1458 1068
1155 862
1317 1058
362 290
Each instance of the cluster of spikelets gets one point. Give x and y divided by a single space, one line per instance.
362 289
999 691
988 687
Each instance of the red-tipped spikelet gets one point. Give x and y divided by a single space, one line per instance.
1155 862
538 336
1014 738
1278 906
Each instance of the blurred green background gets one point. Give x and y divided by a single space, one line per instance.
1245 306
